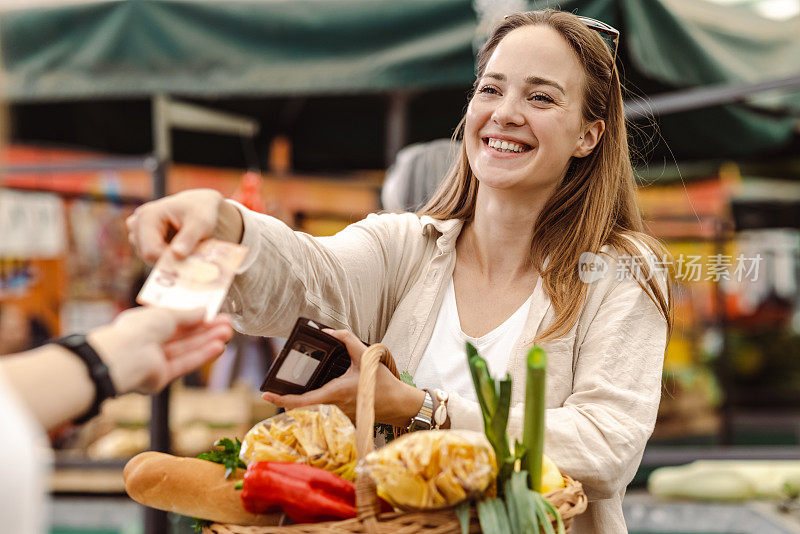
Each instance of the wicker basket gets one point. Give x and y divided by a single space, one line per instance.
570 500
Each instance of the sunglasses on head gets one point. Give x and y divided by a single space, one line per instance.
602 27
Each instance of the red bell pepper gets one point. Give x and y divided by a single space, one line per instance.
306 494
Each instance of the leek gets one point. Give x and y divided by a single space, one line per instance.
533 429
525 511
521 511
495 402
463 512
493 517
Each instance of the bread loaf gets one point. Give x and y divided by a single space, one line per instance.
191 487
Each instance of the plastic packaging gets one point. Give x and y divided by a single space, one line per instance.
320 436
432 469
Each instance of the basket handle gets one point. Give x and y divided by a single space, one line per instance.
365 401
366 496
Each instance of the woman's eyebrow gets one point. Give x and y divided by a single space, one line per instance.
530 80
538 80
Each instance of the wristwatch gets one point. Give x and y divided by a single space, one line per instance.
98 372
424 418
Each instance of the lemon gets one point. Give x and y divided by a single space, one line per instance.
551 476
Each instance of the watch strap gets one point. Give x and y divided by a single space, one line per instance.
424 418
97 369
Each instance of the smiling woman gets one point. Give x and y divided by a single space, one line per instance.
543 83
543 179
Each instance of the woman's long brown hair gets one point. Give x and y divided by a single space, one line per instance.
595 204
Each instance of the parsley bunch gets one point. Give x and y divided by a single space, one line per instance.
227 454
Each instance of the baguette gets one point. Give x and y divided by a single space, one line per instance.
191 487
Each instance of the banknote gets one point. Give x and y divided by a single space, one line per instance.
201 280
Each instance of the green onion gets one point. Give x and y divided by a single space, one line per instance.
484 384
495 403
462 512
524 511
533 429
521 512
493 517
554 512
541 511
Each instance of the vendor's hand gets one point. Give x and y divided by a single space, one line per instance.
146 348
395 401
190 215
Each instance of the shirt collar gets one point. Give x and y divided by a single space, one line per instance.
448 230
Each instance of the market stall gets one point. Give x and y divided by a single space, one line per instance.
396 54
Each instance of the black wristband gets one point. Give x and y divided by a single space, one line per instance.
98 372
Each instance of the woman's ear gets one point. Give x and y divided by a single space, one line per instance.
591 136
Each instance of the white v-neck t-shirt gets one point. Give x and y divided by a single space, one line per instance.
444 363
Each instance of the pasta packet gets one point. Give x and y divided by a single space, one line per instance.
432 469
320 436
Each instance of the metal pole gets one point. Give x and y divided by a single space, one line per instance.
161 141
156 521
168 114
703 97
723 359
396 124
100 164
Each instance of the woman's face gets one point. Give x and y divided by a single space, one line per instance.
528 101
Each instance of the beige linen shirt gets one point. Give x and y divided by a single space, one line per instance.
384 279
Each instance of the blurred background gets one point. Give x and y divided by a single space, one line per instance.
320 112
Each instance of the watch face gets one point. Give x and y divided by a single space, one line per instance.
419 424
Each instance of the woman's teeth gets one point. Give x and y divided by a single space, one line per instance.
506 146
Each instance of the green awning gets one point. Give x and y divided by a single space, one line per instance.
134 48
138 48
670 45
712 44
